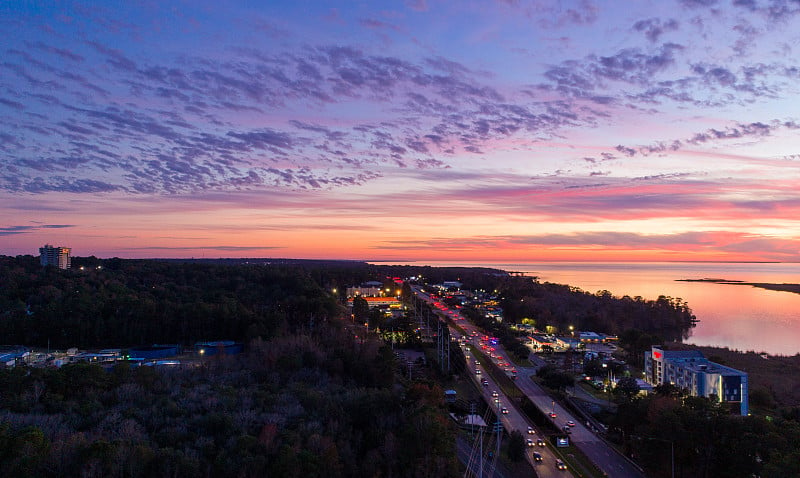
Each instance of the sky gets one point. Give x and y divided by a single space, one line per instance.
416 130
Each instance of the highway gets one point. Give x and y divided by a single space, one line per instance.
515 420
612 463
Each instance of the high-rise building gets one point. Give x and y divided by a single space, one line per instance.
55 256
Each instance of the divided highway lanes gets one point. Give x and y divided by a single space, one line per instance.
514 420
612 463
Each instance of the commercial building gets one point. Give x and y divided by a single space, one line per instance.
596 338
690 370
365 291
155 351
55 256
373 289
10 355
221 347
382 302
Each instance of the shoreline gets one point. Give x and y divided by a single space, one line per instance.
793 288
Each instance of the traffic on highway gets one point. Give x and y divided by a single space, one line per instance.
540 451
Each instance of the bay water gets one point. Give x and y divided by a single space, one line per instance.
739 317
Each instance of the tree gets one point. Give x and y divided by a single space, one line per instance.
593 367
555 379
360 309
516 446
627 388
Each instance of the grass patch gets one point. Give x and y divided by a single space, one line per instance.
503 381
578 463
600 395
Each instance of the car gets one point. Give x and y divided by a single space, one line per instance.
477 371
504 411
477 363
530 442
537 456
540 442
560 464
570 423
552 414
566 429
495 394
531 431
485 382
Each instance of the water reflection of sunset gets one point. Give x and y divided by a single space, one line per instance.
736 316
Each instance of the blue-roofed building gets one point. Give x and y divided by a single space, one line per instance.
690 370
10 355
226 347
155 351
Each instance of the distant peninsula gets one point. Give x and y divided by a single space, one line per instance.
795 288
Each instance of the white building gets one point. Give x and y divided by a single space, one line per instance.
365 291
690 370
55 256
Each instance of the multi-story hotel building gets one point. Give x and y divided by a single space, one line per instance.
55 256
690 370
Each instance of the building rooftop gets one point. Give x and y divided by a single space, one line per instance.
683 355
712 367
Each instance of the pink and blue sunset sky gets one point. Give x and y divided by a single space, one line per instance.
417 130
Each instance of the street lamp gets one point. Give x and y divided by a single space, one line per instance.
608 383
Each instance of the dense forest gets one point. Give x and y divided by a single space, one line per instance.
123 303
310 397
707 441
318 404
120 303
562 306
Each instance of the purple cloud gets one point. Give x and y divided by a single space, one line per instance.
14 230
653 28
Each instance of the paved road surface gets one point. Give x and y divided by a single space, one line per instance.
606 458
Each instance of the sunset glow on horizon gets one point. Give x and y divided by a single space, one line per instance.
493 131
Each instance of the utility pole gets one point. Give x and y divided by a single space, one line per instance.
472 417
499 429
448 351
672 455
480 468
